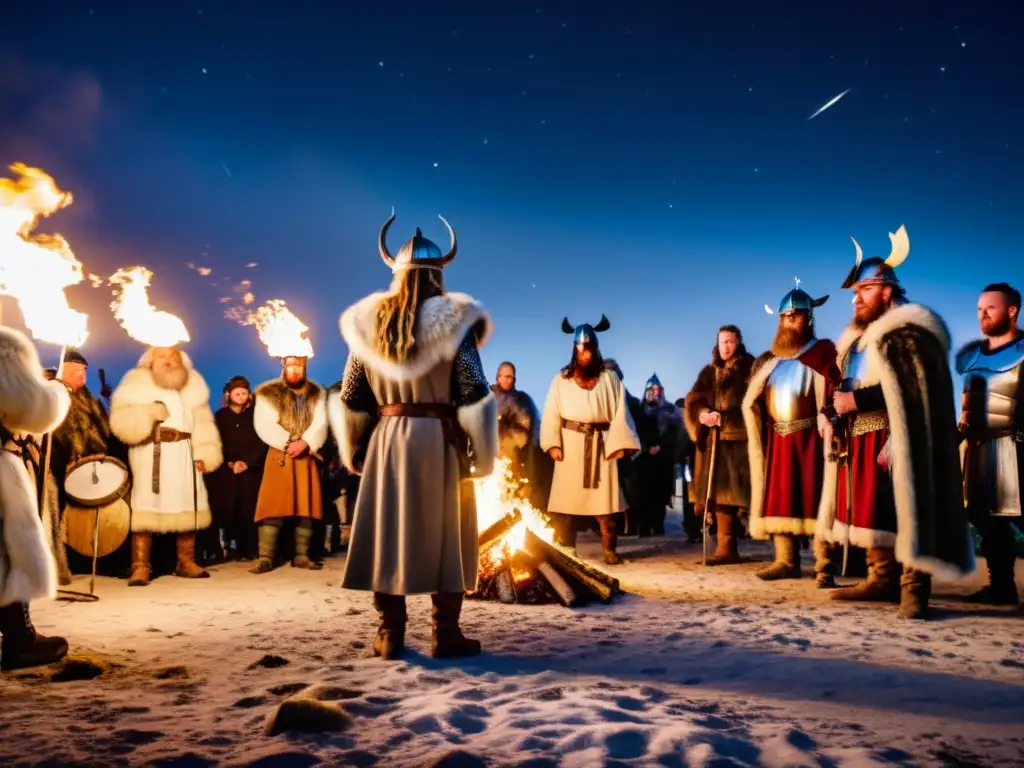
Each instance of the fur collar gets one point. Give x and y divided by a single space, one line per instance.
897 317
276 391
444 322
138 388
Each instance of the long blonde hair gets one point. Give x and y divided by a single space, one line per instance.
398 313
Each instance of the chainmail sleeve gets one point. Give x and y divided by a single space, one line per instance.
469 383
352 414
356 392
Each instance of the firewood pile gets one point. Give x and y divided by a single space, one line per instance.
519 561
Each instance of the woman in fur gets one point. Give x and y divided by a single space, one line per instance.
414 390
29 405
715 402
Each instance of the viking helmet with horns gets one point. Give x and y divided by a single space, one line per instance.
797 300
418 251
878 270
585 333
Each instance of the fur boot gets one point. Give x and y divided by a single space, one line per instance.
142 547
448 640
268 548
997 545
187 566
21 646
915 591
787 559
882 583
825 568
389 642
609 539
727 548
303 538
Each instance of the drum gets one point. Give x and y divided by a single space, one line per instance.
95 481
97 518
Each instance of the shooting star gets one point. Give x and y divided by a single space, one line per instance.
829 103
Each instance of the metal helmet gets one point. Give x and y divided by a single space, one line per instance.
418 251
797 300
876 269
652 382
585 333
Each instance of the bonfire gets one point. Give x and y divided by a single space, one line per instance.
519 559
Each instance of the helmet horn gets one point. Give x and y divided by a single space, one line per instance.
769 310
455 244
602 325
384 253
860 253
566 327
819 302
900 247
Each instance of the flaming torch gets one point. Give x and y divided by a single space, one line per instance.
144 323
281 332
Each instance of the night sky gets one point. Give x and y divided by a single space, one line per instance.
652 161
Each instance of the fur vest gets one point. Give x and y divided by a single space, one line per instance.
720 387
295 420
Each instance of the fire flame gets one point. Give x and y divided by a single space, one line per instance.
281 332
497 495
153 327
35 269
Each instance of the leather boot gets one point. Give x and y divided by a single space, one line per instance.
727 550
21 645
825 567
997 545
915 591
303 538
609 539
881 585
268 548
187 566
142 574
787 559
389 642
448 640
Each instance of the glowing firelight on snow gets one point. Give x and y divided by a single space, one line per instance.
281 332
496 497
35 269
144 323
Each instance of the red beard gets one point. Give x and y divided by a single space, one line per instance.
789 341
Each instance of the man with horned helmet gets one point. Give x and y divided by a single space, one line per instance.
715 403
161 410
789 386
903 500
586 428
413 395
992 427
290 416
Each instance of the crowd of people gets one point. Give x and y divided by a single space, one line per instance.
852 445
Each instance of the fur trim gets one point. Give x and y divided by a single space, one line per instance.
206 444
149 521
349 428
274 398
443 323
27 568
480 422
28 403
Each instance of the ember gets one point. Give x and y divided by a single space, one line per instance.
519 561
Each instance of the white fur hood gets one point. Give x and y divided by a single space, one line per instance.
897 317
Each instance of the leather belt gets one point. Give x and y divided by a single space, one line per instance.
593 432
783 428
164 435
447 414
869 422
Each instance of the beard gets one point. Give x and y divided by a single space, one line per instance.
174 378
1000 327
870 314
789 341
295 382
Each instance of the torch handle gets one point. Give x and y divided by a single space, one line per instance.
44 497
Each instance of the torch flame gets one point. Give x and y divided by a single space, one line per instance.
35 269
153 327
281 332
497 495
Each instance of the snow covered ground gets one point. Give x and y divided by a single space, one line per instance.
696 667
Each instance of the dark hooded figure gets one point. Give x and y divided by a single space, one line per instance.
656 462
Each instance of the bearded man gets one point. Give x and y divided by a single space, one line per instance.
789 386
519 434
992 428
898 439
29 405
586 428
161 410
291 418
413 394
715 403
655 466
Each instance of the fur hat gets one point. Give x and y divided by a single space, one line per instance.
72 355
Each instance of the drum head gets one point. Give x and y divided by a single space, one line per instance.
96 480
78 527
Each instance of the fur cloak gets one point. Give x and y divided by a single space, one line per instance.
414 527
134 412
824 353
907 353
28 405
720 387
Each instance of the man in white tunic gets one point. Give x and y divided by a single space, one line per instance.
161 410
586 427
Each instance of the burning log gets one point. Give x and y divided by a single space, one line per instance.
506 589
561 586
601 584
495 532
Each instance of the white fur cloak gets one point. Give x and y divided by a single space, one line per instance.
28 405
134 413
760 528
906 446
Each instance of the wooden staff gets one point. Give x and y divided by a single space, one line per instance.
709 493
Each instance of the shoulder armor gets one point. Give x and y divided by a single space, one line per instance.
967 354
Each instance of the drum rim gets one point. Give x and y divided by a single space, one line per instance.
120 493
99 457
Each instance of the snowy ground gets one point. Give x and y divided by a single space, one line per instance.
695 667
